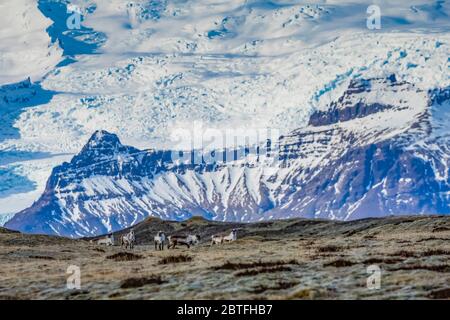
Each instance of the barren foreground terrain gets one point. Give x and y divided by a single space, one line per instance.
289 259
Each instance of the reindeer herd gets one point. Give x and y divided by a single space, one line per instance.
160 240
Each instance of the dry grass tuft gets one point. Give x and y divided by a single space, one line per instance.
309 294
435 252
140 282
437 268
13 297
433 239
382 260
42 257
258 264
254 272
330 248
404 254
280 285
175 259
76 293
125 256
440 229
340 263
440 294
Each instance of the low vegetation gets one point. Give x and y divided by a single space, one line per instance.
175 259
340 263
140 282
440 294
286 259
437 268
254 272
248 265
330 248
124 256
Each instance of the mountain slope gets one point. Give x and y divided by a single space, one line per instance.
382 148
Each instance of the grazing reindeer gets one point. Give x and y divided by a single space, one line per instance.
216 239
187 241
231 237
160 239
221 238
193 239
108 241
128 240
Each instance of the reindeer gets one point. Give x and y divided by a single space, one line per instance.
128 240
231 237
193 239
160 239
221 238
188 241
108 241
216 239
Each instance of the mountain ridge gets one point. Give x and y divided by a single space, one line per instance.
380 159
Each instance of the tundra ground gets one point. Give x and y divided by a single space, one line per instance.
288 259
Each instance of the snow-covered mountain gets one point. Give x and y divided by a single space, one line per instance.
146 69
382 148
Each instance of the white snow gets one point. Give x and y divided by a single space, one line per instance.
25 47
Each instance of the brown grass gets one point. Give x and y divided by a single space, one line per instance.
175 259
437 268
382 260
13 297
432 239
257 264
340 263
254 272
405 254
440 229
435 252
330 248
42 257
140 282
125 256
310 294
440 294
78 293
280 285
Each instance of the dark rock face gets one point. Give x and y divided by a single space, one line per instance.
335 115
365 160
375 180
347 108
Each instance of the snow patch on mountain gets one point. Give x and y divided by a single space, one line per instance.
5 218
